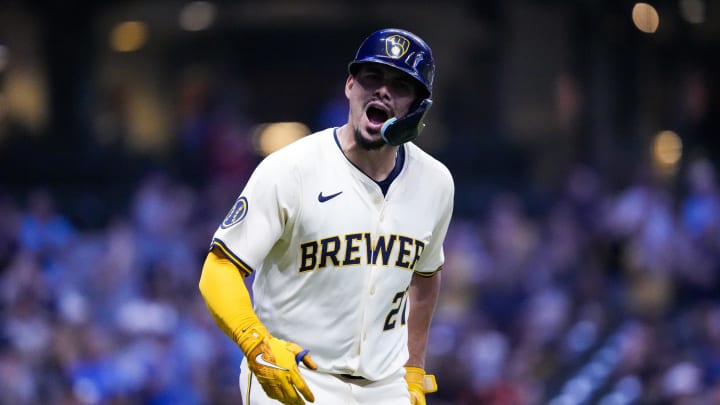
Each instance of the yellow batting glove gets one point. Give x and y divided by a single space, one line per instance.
419 384
274 363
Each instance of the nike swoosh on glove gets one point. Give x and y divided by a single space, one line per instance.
274 362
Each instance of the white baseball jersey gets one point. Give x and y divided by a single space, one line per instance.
333 257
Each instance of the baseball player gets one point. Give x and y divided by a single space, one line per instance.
343 231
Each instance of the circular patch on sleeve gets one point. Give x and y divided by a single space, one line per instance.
237 213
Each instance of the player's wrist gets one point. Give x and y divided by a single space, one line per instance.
251 337
414 375
418 380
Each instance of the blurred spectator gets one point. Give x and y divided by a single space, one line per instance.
44 230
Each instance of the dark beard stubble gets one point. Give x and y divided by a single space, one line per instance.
368 145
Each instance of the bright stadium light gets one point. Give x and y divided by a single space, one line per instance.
270 137
667 148
645 17
128 36
693 11
197 16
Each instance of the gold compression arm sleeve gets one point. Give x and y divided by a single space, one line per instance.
223 288
273 361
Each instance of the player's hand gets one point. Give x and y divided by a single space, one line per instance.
274 363
419 384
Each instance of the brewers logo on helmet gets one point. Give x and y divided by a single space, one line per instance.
396 46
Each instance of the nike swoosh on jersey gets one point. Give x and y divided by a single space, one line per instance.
259 360
322 198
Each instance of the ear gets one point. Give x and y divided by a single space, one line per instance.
349 83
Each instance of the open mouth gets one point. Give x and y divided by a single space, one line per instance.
376 115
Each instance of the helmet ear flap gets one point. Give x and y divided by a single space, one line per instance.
397 131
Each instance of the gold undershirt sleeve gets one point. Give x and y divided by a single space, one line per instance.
226 296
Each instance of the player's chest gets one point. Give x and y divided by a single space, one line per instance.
340 203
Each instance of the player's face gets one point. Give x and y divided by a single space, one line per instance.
377 93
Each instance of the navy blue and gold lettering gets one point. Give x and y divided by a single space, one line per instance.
308 256
404 252
336 251
381 249
419 247
351 248
329 250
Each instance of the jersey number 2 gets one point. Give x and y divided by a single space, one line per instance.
399 305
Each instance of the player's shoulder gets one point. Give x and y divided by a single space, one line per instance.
302 150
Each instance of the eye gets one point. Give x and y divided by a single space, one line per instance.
402 86
371 75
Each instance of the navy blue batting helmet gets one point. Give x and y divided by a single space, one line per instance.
399 49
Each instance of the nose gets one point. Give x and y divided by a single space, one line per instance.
383 90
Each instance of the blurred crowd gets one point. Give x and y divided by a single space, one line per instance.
111 315
607 296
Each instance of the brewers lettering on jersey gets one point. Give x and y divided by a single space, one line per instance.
343 232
